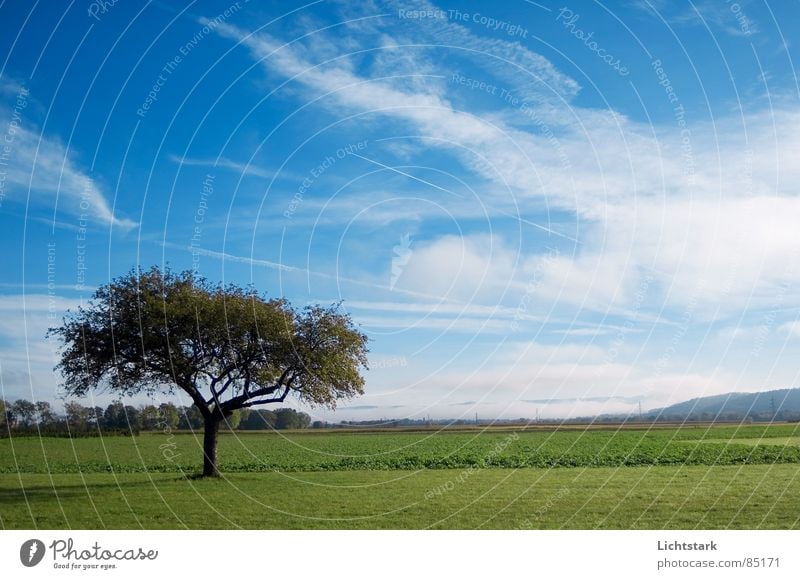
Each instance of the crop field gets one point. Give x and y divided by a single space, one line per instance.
334 451
680 477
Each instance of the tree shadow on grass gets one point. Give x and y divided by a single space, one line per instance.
59 491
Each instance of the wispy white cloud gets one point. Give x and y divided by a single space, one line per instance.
455 325
225 163
791 329
632 185
530 76
43 167
734 18
592 332
440 308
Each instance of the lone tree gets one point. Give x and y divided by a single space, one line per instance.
224 346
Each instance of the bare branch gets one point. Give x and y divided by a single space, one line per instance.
280 398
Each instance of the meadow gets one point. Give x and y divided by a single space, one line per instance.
576 477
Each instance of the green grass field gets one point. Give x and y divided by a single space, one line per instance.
717 477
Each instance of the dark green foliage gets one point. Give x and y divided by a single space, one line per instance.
258 420
279 419
289 418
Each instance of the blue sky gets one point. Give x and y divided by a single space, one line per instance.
570 207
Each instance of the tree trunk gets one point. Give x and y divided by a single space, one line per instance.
210 446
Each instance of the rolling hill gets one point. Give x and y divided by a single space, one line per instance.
774 404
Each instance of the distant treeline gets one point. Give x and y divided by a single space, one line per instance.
25 417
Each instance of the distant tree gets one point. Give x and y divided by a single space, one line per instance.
234 420
150 417
95 418
190 418
77 415
286 418
319 424
4 409
45 415
114 415
268 418
169 416
24 412
227 348
290 418
132 419
258 420
162 417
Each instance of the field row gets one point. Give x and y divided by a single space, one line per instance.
181 453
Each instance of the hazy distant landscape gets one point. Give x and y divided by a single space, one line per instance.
722 462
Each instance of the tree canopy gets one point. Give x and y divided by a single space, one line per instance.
226 347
